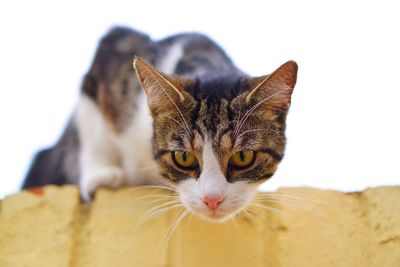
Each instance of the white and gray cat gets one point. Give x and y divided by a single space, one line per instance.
183 117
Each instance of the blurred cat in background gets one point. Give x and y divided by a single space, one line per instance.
183 116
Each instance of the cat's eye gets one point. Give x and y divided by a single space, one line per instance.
242 159
184 160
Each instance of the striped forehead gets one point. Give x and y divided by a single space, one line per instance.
213 96
212 123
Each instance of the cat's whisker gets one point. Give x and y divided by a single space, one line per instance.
280 201
283 198
158 201
151 200
270 209
157 211
266 207
292 204
155 214
177 108
160 197
298 198
184 213
242 216
252 130
247 213
288 202
168 203
188 133
238 120
278 194
167 185
295 205
293 201
248 113
169 192
160 187
174 224
297 202
252 210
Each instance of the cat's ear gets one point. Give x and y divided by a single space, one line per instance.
164 92
274 90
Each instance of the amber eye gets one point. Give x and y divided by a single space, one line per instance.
184 160
242 159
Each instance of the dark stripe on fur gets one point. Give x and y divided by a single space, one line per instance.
272 153
222 133
266 176
159 153
195 113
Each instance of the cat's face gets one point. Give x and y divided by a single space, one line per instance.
217 140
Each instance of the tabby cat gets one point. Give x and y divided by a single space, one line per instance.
188 119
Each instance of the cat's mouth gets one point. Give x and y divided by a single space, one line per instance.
219 215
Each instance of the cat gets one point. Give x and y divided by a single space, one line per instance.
182 116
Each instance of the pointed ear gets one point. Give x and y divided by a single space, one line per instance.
164 93
274 90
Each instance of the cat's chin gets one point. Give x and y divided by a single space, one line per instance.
218 216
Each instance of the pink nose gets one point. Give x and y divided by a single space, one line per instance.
213 201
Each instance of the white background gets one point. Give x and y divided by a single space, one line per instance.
343 128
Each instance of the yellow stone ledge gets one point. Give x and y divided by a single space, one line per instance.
308 227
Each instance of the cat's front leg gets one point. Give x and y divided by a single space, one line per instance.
100 163
103 176
100 167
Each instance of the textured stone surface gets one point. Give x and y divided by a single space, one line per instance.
36 229
299 227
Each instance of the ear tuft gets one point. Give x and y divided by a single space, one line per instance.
150 77
275 89
164 92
